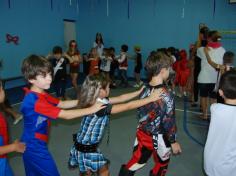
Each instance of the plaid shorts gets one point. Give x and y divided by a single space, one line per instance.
86 161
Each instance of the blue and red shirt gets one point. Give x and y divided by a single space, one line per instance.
38 109
3 133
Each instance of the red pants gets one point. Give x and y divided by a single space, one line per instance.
143 149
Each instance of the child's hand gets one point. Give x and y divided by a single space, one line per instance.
156 94
141 89
97 106
19 146
176 149
2 94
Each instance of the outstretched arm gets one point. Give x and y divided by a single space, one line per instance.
75 113
68 104
155 95
14 147
125 97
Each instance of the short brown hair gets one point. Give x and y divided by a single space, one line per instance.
34 65
156 61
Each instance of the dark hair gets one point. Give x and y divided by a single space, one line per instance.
214 35
228 57
112 49
124 48
101 40
156 61
34 65
57 50
228 84
90 89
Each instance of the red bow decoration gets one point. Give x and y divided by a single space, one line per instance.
13 39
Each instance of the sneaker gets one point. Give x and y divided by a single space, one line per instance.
20 117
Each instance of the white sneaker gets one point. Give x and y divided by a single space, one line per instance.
18 120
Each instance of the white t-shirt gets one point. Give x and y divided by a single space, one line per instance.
99 49
220 148
208 74
105 64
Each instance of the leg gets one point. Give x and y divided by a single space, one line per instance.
160 167
104 171
204 105
140 156
74 77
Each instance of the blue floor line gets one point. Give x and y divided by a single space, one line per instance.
186 127
198 123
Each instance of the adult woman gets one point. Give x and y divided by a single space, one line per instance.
98 44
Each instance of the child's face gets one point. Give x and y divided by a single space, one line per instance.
105 92
57 55
42 82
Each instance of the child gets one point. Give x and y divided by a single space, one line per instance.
219 152
138 66
84 153
156 119
93 62
5 169
106 60
123 66
74 57
182 72
114 66
39 108
59 71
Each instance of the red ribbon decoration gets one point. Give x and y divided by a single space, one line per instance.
13 39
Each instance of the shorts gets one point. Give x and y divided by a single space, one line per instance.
207 90
137 69
87 161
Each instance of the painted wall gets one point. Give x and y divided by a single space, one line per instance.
151 24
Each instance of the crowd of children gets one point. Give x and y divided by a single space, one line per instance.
169 70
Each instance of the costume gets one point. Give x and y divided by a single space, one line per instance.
105 64
219 152
5 169
38 109
93 66
74 66
155 118
181 69
123 66
84 153
59 81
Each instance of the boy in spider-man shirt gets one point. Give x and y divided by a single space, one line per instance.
157 123
38 109
5 169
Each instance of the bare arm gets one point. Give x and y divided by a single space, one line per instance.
125 97
155 95
14 147
68 104
75 113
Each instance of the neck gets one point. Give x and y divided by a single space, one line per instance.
36 89
156 80
230 101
